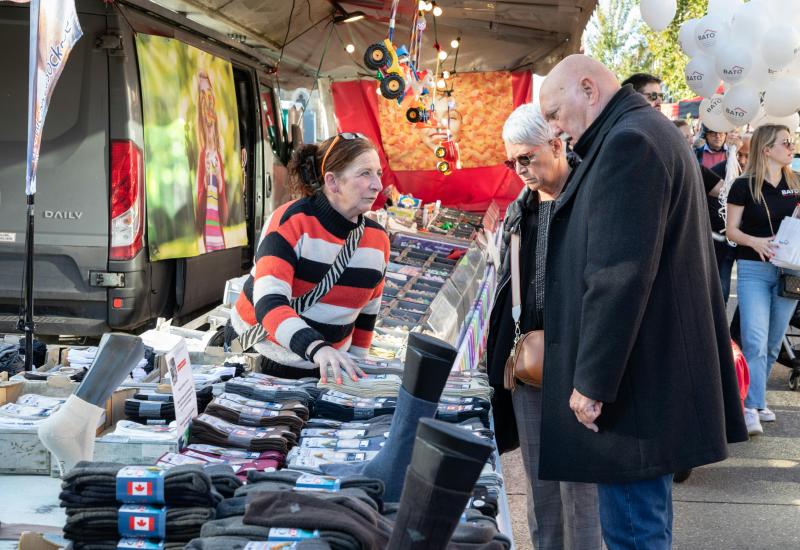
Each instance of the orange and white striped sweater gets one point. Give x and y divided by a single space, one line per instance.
298 244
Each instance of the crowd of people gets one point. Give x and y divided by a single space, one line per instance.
628 240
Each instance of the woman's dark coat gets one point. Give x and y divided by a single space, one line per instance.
634 315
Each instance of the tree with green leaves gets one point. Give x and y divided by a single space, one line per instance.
618 37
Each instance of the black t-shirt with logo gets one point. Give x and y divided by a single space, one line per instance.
780 200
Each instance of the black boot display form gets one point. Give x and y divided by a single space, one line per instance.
69 432
427 367
446 463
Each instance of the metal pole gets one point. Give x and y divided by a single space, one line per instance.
29 287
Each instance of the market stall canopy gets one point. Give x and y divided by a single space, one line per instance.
495 35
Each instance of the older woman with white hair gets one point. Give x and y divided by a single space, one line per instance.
560 514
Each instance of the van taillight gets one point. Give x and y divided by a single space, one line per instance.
127 201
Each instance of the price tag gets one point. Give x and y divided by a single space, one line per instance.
142 521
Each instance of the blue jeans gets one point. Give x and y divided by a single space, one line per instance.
765 317
638 515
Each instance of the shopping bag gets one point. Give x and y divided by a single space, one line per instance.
787 254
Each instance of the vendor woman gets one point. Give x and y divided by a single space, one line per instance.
313 295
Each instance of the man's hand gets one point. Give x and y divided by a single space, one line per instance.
585 409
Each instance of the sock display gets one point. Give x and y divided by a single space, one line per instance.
215 431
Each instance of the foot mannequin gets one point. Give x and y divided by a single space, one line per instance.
427 366
446 463
69 432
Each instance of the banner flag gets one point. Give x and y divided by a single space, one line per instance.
54 31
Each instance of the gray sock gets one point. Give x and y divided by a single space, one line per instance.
392 461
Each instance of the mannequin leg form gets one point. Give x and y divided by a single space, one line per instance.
445 465
427 367
69 432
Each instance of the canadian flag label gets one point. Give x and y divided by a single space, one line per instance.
141 523
140 488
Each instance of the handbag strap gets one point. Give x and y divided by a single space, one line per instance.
304 302
516 298
256 333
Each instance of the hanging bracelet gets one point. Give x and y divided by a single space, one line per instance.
310 355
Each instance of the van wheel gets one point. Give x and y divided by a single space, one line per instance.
393 86
412 115
376 56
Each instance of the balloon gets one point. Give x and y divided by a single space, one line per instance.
701 76
723 8
709 32
782 97
780 45
750 23
712 116
734 63
761 75
741 104
658 14
686 38
792 121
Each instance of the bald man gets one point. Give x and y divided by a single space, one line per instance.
639 379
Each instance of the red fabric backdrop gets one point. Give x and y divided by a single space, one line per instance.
356 107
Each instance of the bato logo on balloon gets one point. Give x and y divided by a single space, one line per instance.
738 112
708 34
695 76
736 70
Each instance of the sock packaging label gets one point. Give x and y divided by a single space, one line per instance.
140 485
311 482
142 521
130 543
288 534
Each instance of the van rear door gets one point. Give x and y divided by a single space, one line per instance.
72 217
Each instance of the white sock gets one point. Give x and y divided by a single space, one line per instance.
69 432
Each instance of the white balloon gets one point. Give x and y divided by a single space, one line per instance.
712 116
782 97
686 38
750 23
741 104
701 76
734 63
780 46
710 31
792 121
658 14
723 8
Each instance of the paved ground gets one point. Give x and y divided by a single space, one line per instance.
750 501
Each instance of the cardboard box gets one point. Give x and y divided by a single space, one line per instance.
36 541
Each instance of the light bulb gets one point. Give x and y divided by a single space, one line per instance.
428 6
445 74
442 55
421 5
350 48
378 90
454 43
441 84
437 11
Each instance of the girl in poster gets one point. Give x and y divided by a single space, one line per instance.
211 213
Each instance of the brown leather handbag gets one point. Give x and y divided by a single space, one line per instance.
526 361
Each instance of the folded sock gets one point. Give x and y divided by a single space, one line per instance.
223 478
149 409
339 406
100 523
393 459
69 432
372 486
234 526
215 431
95 484
250 412
337 513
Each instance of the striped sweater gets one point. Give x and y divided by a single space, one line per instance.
298 244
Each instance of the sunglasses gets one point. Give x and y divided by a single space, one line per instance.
523 160
788 143
653 96
343 135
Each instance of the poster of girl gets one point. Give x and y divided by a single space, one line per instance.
211 211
